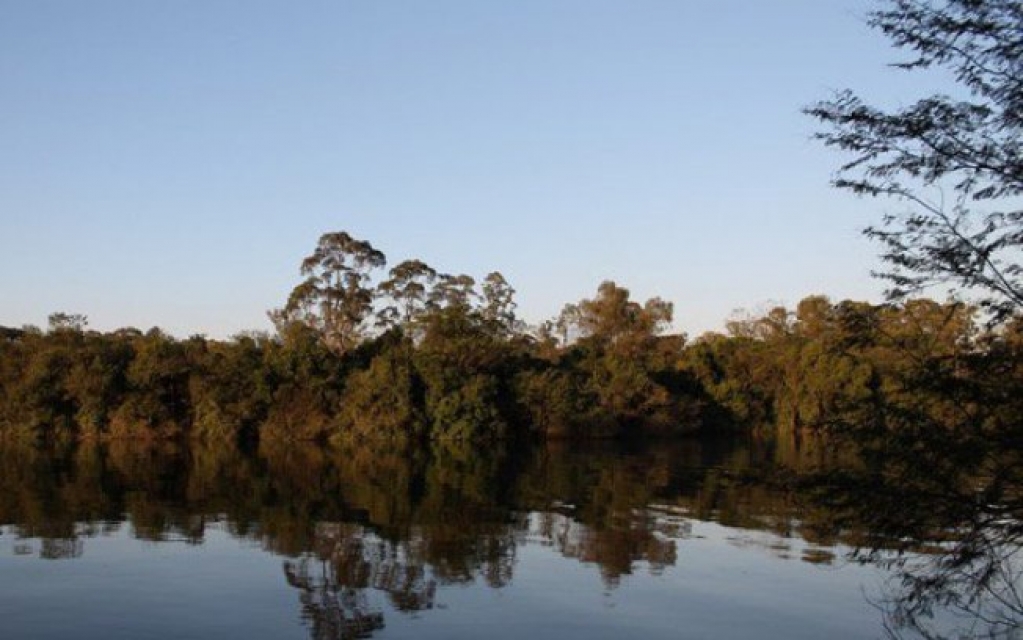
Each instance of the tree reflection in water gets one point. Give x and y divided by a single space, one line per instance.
332 611
367 530
947 519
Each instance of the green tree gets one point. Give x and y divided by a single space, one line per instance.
464 370
408 287
611 318
39 405
229 388
499 305
629 367
305 381
454 292
97 380
156 402
335 298
384 400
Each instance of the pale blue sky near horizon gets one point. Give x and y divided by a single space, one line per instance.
171 163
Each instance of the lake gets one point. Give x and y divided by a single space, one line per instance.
693 539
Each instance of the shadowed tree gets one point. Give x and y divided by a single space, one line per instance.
957 162
335 298
61 321
408 287
499 304
622 354
612 318
567 322
454 292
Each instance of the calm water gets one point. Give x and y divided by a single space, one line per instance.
691 540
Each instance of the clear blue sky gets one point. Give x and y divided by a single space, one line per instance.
171 163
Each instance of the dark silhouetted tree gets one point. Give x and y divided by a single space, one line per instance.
408 287
335 298
956 161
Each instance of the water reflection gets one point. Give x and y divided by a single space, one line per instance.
333 606
367 532
944 513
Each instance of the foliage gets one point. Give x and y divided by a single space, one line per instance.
823 367
969 145
450 362
384 400
408 287
944 424
335 298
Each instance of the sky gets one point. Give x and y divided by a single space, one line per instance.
170 163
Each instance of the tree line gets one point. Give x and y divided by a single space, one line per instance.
418 355
415 355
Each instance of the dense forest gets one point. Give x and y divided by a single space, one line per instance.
414 355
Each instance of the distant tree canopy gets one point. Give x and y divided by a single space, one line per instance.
334 299
414 355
